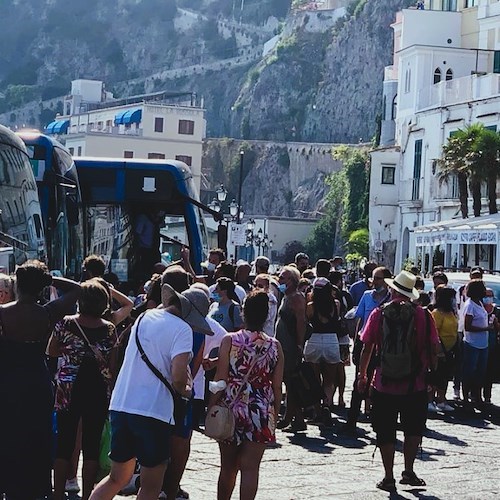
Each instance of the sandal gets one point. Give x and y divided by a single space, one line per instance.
387 485
409 477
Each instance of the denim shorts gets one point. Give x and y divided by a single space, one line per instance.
474 364
136 436
322 347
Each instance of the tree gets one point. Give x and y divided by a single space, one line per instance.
292 248
473 155
485 158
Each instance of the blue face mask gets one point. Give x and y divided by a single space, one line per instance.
487 300
215 297
282 287
379 289
454 303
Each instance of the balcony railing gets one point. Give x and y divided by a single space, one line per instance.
468 88
110 130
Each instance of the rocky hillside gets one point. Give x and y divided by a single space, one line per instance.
319 82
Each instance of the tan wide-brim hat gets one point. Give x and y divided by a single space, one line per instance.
404 283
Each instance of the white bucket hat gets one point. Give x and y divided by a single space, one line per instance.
404 283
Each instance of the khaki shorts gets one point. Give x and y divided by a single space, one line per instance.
322 347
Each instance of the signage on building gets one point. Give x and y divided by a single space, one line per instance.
237 234
460 237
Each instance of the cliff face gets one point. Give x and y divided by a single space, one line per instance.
279 179
323 81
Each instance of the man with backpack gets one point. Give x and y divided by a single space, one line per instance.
405 339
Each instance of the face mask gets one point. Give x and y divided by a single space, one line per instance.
488 300
454 303
379 289
211 267
282 287
215 297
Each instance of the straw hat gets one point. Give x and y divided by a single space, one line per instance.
404 283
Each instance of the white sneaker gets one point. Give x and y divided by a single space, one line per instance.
432 407
72 485
445 407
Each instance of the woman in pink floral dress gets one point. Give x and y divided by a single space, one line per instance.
251 363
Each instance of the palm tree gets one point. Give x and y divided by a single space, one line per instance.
459 159
485 159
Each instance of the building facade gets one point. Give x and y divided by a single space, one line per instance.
445 76
155 126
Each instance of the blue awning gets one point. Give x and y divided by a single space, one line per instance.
57 127
49 129
132 116
119 117
61 127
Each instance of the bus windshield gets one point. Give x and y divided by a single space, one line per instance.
138 213
21 229
60 200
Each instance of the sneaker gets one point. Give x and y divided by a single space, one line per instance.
431 407
445 407
182 494
72 485
162 495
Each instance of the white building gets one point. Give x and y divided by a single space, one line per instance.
162 125
445 76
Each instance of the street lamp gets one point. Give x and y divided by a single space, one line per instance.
233 208
221 193
251 225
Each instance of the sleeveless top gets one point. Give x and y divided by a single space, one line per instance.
331 326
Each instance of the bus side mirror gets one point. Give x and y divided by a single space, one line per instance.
222 237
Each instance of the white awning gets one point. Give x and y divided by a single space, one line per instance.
476 230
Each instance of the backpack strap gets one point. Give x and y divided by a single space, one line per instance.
231 313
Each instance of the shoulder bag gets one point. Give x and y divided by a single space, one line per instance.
219 422
180 403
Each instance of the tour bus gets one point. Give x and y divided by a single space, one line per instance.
109 207
60 200
21 227
135 209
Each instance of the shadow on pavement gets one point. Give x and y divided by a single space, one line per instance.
432 434
312 444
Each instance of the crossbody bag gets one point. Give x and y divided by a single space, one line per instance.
220 422
180 402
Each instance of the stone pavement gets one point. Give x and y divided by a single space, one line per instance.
460 459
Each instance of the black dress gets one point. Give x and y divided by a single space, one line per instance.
26 439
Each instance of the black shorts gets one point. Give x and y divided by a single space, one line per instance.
136 436
387 407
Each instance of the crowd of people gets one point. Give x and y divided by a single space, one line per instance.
80 362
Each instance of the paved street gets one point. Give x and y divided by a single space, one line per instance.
459 460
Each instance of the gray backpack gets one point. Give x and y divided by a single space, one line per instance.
399 359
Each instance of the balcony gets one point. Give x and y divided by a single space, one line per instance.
410 193
109 130
466 89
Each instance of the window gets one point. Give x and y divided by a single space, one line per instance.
496 62
79 151
491 127
186 159
437 76
158 124
156 156
449 75
450 5
417 168
71 151
186 127
128 154
394 107
408 80
388 174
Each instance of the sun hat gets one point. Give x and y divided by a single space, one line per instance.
404 283
194 307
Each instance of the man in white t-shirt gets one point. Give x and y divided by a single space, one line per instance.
142 408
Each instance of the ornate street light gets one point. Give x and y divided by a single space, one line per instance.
214 205
251 225
221 193
233 208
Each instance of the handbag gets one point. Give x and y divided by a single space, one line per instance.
180 403
219 421
104 449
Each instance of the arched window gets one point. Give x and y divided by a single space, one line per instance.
437 75
449 75
394 109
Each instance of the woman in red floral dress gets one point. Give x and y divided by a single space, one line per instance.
251 363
